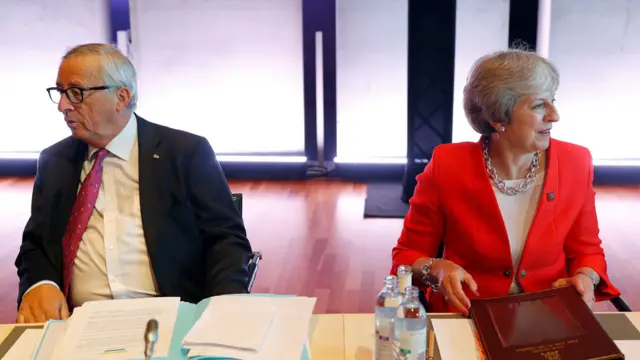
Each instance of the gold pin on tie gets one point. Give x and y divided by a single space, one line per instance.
156 156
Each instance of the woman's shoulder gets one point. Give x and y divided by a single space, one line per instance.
570 152
456 149
456 159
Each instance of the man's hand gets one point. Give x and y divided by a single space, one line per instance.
42 303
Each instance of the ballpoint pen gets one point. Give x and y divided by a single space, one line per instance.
431 345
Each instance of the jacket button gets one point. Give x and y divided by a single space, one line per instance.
523 273
507 273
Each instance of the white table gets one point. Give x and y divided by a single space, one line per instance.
342 336
352 336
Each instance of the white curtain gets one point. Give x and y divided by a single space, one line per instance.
371 54
229 70
35 36
596 46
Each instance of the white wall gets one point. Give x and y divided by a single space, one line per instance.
230 70
596 46
35 36
371 53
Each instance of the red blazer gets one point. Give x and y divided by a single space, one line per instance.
454 202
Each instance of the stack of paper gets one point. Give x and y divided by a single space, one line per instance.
252 327
53 333
115 329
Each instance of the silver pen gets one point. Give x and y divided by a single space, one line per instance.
150 338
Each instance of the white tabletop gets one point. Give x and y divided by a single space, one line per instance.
351 336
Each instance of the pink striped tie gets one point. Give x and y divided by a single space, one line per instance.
80 214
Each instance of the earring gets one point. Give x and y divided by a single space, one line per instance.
501 129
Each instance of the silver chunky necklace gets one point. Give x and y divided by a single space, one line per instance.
499 183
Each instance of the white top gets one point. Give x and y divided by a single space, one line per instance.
518 212
112 260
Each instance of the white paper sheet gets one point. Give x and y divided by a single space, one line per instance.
240 322
455 339
25 345
630 348
114 329
286 338
53 333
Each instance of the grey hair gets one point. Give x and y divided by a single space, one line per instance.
496 81
117 69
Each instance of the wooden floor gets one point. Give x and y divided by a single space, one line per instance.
317 243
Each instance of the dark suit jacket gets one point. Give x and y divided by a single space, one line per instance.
194 233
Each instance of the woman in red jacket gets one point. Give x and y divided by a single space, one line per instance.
515 210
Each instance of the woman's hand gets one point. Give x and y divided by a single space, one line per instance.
450 276
582 283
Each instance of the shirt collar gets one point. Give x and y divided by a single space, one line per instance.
122 144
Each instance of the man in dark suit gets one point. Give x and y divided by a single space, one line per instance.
124 208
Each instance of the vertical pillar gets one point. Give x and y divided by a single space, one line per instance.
432 39
523 23
120 24
319 16
544 28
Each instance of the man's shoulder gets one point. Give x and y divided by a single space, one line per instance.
61 148
177 138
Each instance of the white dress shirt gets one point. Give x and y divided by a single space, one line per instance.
112 260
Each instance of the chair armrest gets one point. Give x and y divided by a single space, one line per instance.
254 262
620 304
237 199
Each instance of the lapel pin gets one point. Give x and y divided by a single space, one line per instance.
551 196
156 156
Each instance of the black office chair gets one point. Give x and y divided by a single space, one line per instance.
256 256
617 302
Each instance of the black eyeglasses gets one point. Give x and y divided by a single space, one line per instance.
75 94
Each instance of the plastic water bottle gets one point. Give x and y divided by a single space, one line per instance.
411 327
386 307
404 277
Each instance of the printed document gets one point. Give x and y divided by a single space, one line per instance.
54 332
114 329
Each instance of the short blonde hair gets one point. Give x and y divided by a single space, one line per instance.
496 81
117 69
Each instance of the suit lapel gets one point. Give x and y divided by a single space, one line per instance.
548 199
490 208
152 182
68 168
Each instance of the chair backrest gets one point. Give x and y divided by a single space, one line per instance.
254 257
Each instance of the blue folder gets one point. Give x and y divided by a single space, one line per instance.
188 314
